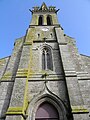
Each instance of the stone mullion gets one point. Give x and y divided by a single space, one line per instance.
45 60
45 20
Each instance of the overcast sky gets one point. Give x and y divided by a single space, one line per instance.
74 17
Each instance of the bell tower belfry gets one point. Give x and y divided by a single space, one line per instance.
43 77
44 15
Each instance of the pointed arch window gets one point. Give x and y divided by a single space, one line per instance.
46 59
40 21
46 111
49 20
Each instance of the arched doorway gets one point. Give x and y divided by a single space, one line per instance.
46 111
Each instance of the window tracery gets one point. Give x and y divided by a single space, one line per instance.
46 59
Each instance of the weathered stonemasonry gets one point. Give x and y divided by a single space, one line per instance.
45 68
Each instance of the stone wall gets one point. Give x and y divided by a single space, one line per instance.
86 60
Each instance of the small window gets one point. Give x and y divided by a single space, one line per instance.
49 20
38 35
46 59
51 35
40 21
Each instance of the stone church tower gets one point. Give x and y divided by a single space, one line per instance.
45 78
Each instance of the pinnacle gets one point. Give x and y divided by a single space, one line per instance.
43 6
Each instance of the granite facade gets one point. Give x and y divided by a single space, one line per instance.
24 85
